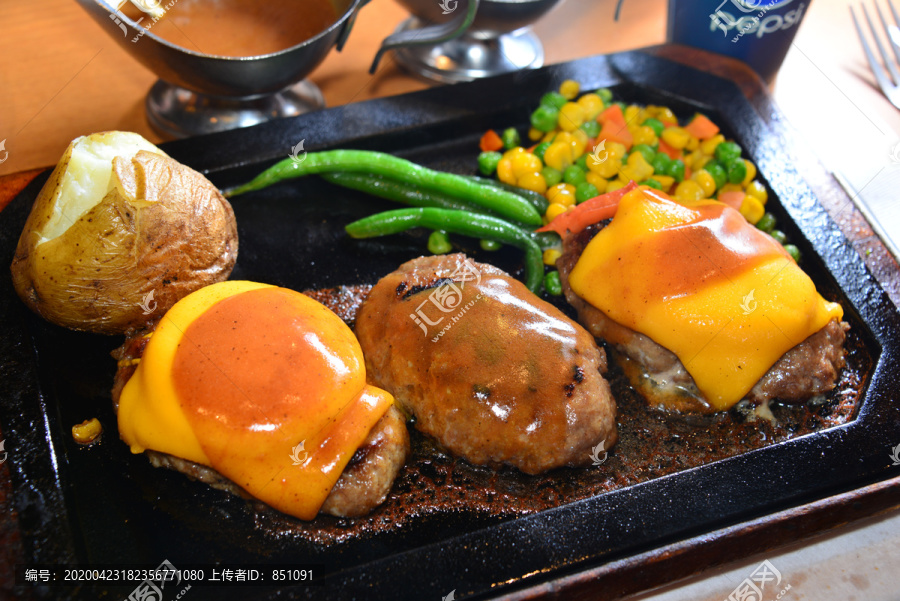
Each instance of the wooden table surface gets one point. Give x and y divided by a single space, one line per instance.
63 76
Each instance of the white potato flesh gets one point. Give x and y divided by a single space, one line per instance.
87 177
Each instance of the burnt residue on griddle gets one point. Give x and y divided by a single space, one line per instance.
652 443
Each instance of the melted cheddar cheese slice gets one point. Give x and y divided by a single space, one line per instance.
702 282
262 384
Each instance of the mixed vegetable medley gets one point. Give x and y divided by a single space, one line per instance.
584 152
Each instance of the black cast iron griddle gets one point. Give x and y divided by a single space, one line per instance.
100 504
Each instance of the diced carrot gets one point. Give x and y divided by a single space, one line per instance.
733 198
673 153
490 141
616 132
701 127
591 211
612 113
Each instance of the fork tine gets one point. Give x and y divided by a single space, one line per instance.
884 55
880 76
890 36
895 31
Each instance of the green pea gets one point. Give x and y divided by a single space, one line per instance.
717 172
551 176
737 170
661 163
582 162
490 244
540 149
573 175
766 223
676 170
553 99
727 152
439 243
779 236
552 284
510 138
544 118
651 182
487 162
793 251
605 95
656 125
585 191
591 128
645 150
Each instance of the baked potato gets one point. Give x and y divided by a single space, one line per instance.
118 234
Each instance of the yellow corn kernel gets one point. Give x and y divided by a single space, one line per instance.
571 116
535 134
751 173
635 115
533 181
579 142
87 431
615 185
637 168
513 152
705 181
564 136
692 144
563 194
551 255
666 115
505 171
605 168
553 211
676 137
709 146
645 135
752 209
559 155
730 188
758 191
549 136
688 190
596 179
524 163
616 150
693 159
592 105
651 110
569 89
665 181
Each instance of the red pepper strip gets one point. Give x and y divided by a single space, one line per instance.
588 213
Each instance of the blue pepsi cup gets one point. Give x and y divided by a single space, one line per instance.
757 32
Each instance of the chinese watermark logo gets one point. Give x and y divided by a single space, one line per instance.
595 154
895 456
146 305
596 456
751 589
295 155
154 9
895 153
448 6
152 588
450 597
447 298
748 304
3 452
299 454
3 150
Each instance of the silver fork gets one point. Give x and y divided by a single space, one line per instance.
889 85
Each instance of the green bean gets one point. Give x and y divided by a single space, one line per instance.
390 189
538 201
457 222
439 243
500 201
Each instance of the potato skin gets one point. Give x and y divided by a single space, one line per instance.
164 229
